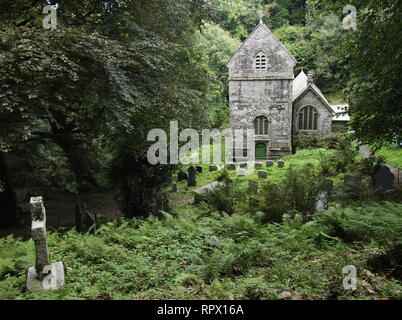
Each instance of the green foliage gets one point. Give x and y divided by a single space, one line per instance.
379 222
392 155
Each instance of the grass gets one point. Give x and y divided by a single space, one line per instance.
196 253
392 155
175 258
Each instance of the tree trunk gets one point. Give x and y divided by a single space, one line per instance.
79 160
8 198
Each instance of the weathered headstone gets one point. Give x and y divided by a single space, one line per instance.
213 168
231 166
174 187
241 173
321 202
44 276
181 176
258 165
262 174
252 187
243 165
199 169
200 192
384 179
281 164
191 182
347 180
270 163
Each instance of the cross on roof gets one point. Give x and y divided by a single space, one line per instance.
261 16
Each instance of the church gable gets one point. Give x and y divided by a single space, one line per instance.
262 56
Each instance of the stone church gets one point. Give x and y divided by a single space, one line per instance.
265 96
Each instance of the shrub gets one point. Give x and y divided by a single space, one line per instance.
226 198
305 141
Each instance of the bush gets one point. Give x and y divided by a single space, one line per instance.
305 141
227 197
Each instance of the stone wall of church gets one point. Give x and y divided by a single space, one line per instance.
252 98
324 119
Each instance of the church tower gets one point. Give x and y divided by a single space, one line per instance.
260 92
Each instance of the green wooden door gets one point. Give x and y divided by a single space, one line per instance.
260 150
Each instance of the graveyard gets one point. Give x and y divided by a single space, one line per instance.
201 246
200 150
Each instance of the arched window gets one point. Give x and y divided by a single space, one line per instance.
260 61
308 118
261 126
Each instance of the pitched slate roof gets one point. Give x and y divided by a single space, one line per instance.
301 86
262 25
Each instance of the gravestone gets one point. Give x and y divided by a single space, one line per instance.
270 163
241 173
181 176
213 168
201 192
347 180
231 166
191 182
252 187
199 169
44 276
321 202
384 179
262 174
84 220
281 164
258 165
174 187
243 165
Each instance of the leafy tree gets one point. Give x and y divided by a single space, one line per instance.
374 60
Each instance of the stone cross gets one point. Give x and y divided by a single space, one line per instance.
44 276
261 16
38 232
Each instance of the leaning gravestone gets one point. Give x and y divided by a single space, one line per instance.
44 276
281 164
347 180
174 187
181 176
199 169
201 192
231 166
252 187
384 179
270 163
262 174
241 173
191 182
258 165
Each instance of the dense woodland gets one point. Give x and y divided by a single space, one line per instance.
77 103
